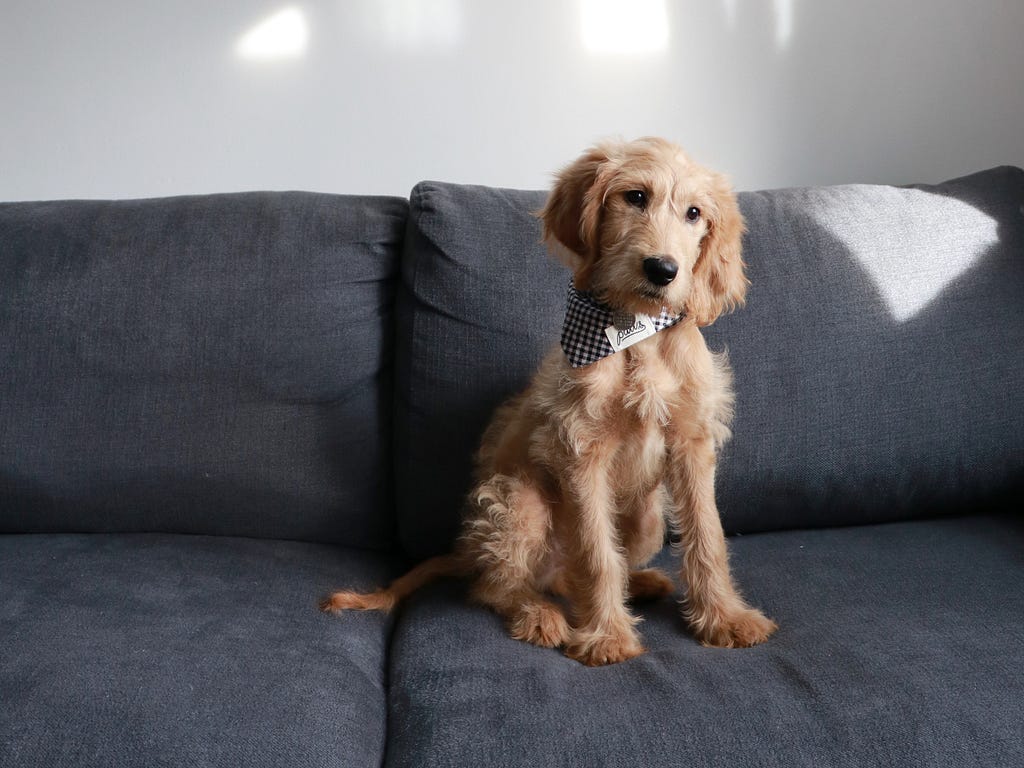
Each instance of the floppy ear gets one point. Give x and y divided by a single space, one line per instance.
719 284
571 217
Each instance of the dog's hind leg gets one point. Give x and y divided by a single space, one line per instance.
506 540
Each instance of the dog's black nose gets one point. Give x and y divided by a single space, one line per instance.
660 270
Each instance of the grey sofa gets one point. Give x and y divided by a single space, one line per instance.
214 410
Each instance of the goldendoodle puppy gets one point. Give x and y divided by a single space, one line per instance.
619 429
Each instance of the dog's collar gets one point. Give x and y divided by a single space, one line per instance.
593 331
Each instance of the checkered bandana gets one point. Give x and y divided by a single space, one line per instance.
585 332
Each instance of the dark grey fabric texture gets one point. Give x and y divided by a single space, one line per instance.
217 364
877 362
899 645
479 303
879 358
163 650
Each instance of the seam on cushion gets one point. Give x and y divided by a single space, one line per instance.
406 388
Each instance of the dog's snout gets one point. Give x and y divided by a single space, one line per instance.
660 270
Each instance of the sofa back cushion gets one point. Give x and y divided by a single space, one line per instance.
877 362
479 303
215 364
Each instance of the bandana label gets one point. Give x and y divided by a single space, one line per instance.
590 331
641 328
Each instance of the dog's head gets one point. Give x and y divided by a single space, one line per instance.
644 227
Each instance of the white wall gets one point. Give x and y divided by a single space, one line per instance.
129 98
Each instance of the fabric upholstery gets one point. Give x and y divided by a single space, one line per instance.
899 645
480 302
216 364
876 362
223 365
156 650
877 356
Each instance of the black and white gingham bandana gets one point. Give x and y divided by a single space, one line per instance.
593 331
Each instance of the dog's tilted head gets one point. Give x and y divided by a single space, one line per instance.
644 227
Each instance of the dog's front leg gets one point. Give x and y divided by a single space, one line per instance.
604 630
716 612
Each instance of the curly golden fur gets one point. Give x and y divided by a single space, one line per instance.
577 475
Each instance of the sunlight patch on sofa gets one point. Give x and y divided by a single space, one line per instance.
914 248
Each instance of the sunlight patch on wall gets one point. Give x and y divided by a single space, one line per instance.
730 12
782 19
783 23
913 257
414 25
282 36
613 27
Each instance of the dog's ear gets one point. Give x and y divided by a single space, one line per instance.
719 284
571 217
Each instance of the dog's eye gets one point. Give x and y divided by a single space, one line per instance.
692 213
637 198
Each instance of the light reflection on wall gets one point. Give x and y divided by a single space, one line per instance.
783 23
782 10
283 35
615 27
413 25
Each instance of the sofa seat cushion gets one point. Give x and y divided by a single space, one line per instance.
149 650
899 644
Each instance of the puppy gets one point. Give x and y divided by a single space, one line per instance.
619 428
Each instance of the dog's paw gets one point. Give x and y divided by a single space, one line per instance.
542 624
599 650
650 584
739 629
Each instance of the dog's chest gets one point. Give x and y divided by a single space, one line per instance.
649 392
646 406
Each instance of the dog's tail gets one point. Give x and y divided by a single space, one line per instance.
388 597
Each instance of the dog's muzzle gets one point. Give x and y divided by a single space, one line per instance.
660 270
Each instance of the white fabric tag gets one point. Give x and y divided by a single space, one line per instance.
642 328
